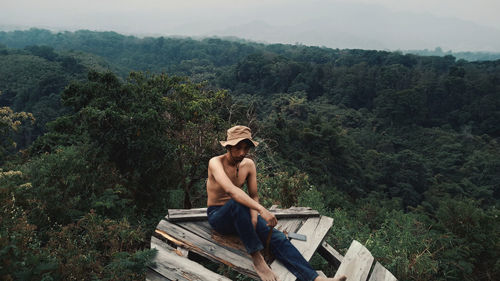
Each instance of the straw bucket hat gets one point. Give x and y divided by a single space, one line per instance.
237 134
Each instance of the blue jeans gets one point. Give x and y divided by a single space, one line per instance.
234 218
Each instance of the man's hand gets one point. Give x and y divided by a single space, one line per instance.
269 217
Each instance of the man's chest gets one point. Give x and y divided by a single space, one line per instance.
236 175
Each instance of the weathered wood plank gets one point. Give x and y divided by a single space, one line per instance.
182 237
174 267
330 254
232 242
229 242
315 229
200 226
356 264
152 275
315 234
289 225
379 273
182 252
201 213
187 214
204 229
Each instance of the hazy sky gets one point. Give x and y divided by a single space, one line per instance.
483 12
209 17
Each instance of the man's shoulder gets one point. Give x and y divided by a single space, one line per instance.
248 161
215 159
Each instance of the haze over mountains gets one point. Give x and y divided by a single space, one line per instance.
347 25
334 24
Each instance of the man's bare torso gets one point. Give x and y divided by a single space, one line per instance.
238 176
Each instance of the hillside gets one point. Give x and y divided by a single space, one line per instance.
401 150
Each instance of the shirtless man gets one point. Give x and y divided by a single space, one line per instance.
232 211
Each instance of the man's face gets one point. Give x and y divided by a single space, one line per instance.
240 150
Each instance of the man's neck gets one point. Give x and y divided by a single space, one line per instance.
230 160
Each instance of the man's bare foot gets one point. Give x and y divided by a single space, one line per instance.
263 270
341 278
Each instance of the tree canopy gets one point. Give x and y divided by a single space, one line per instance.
401 150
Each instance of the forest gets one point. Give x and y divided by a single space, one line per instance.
102 133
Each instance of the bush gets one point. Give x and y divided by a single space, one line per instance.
99 248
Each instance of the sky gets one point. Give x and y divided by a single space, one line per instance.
484 12
460 25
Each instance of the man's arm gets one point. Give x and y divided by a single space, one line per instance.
252 190
217 171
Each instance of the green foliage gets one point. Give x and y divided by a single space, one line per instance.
406 246
91 248
31 81
99 248
469 242
308 135
69 183
10 122
282 189
196 117
21 256
122 123
433 90
401 107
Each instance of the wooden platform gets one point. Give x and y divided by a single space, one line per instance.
185 234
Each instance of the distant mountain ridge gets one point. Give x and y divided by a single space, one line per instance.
349 25
333 24
468 56
17 41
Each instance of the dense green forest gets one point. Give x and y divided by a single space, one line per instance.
101 133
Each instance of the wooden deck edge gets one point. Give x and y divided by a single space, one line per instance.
178 236
357 263
175 215
152 275
172 266
315 229
380 273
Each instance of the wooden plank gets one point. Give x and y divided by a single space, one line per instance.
200 226
315 229
315 232
174 267
233 242
333 257
203 228
289 225
187 214
152 275
182 252
295 212
229 242
181 237
379 273
201 213
356 264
